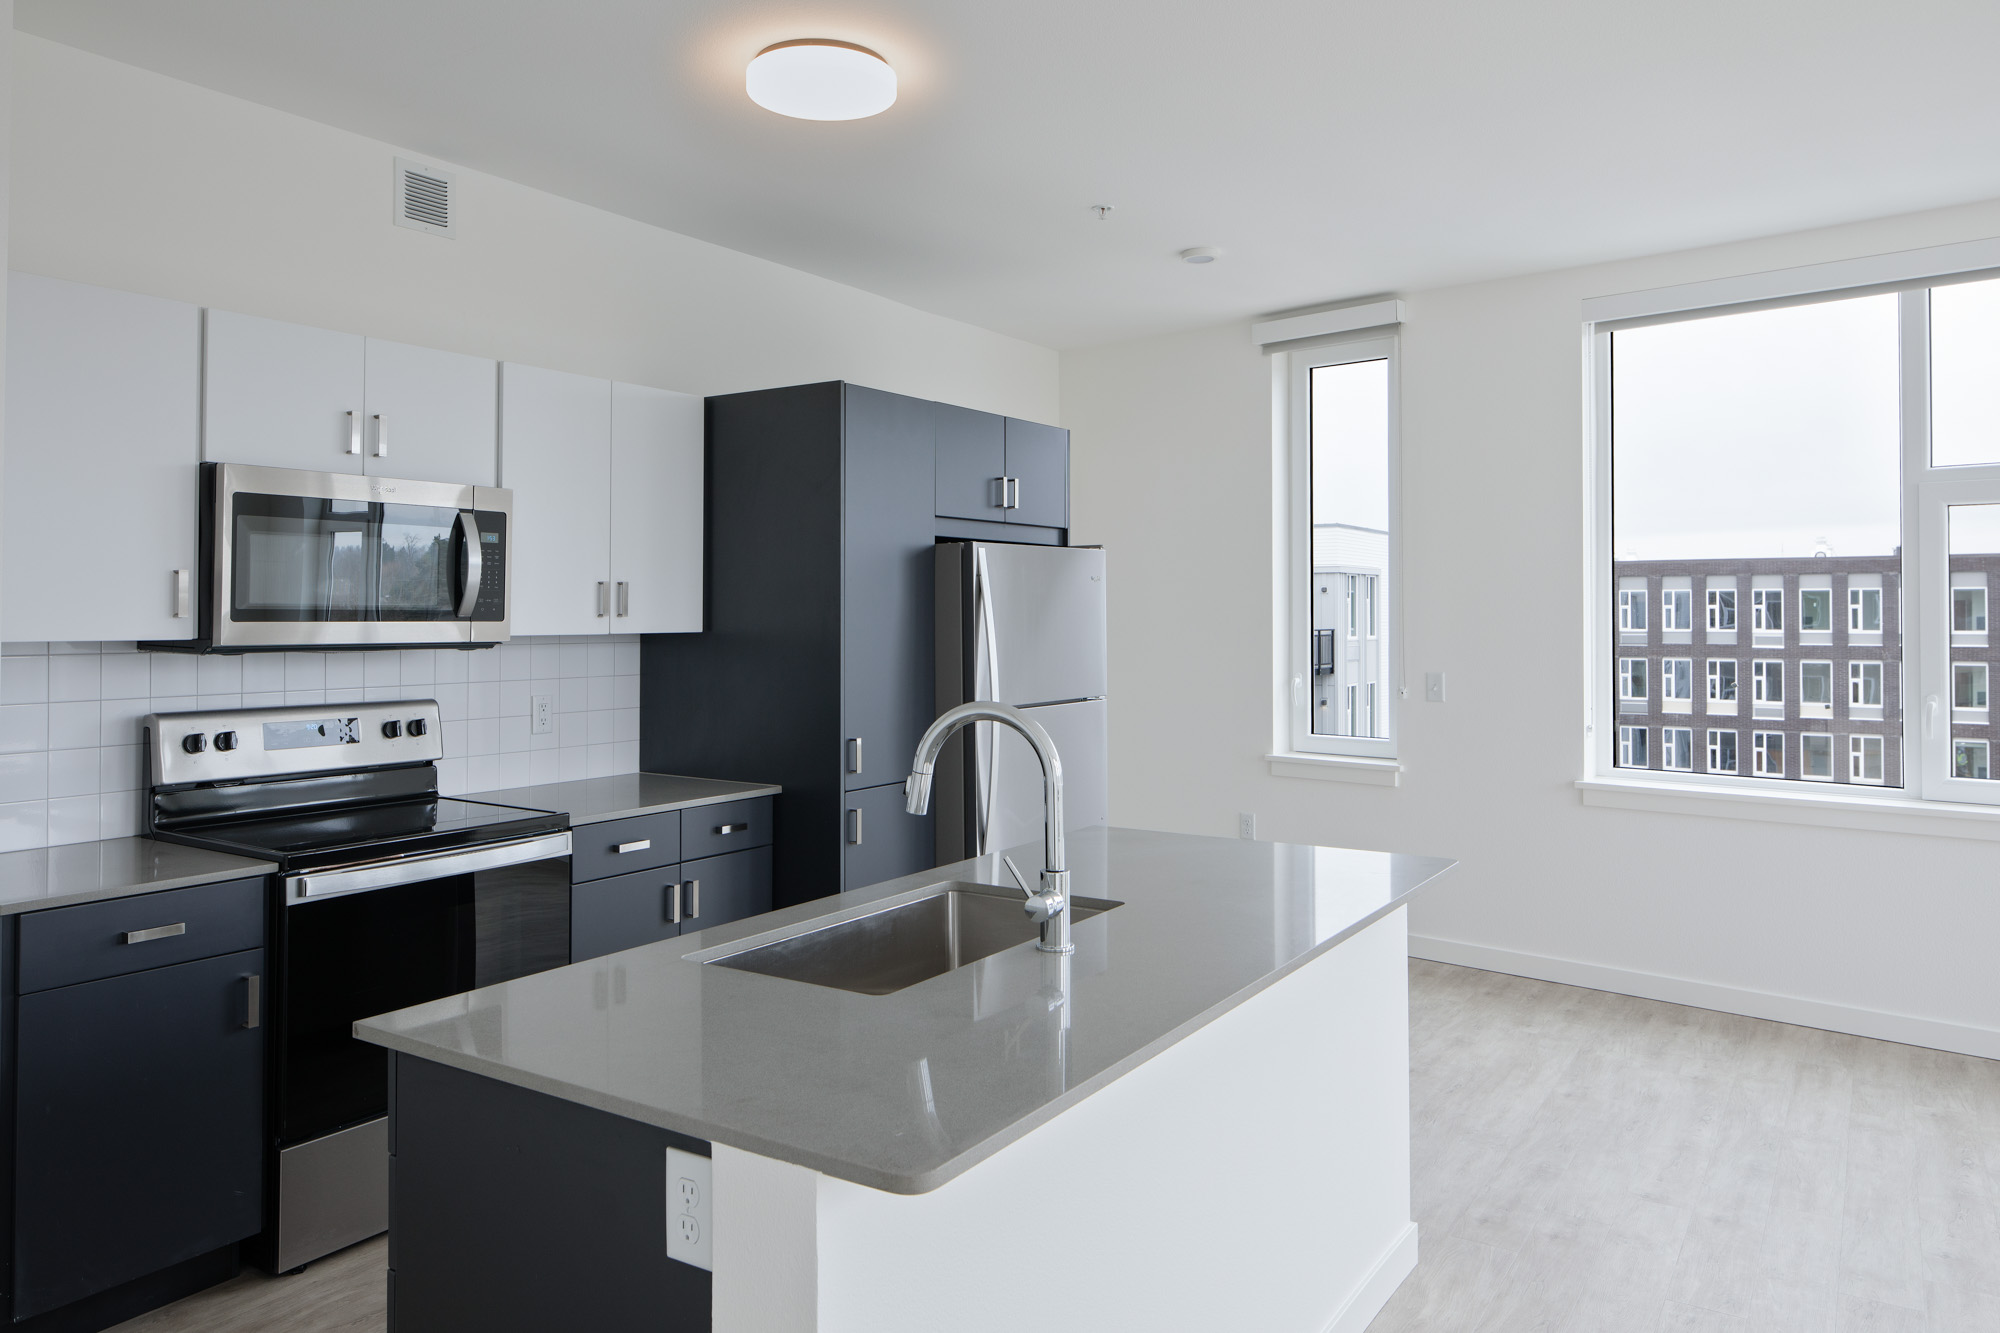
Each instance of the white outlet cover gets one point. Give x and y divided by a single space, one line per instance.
690 1209
542 716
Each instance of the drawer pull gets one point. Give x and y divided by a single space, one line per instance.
724 830
694 899
156 933
674 903
644 844
256 1014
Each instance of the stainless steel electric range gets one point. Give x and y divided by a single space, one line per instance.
386 895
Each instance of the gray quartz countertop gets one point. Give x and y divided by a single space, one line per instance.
87 872
904 1091
593 800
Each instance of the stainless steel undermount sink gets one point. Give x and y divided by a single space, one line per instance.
902 943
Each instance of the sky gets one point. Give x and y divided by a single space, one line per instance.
1350 444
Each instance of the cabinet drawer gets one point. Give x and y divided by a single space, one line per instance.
648 842
65 945
721 889
622 912
711 830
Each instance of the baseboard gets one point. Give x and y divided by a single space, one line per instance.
1397 1262
1904 1028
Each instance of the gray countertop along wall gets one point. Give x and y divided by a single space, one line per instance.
903 1092
85 872
594 800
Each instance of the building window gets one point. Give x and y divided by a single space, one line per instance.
1722 608
1968 685
1677 748
1341 489
1864 610
1767 682
1767 610
1632 610
1632 747
1968 610
1722 752
1968 759
1816 756
1677 609
1722 679
1677 678
1816 685
1864 758
1816 611
1864 684
1767 754
1632 678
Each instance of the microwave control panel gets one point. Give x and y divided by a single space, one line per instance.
492 604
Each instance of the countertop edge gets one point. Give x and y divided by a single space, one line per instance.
248 870
605 816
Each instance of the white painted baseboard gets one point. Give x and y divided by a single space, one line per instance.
1905 1028
1397 1262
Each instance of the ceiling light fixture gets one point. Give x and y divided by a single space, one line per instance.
1201 254
818 78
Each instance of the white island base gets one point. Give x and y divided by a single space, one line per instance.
1253 1175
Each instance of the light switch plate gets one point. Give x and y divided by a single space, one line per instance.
690 1211
1434 687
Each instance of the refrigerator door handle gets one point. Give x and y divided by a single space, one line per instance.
985 751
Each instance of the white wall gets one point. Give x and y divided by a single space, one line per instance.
131 180
1879 933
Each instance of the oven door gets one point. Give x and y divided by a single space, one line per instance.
311 559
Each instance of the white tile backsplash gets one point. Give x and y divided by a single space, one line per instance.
72 767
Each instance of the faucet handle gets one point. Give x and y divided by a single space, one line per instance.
1044 905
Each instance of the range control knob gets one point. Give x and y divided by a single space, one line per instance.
418 726
225 740
194 743
392 729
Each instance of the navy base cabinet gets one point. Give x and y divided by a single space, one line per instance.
654 877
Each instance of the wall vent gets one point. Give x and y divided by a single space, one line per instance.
423 198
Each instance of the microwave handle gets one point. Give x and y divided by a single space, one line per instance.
468 534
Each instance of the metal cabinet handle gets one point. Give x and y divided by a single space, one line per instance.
354 433
624 599
156 933
1010 492
603 600
854 754
694 899
724 830
854 828
255 1016
642 845
183 593
674 903
381 436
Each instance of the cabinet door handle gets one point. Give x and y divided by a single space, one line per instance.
156 933
724 830
854 754
644 844
381 436
354 433
603 600
624 599
1010 492
674 903
183 594
694 899
254 1016
854 827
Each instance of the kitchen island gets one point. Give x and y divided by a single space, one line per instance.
1198 1120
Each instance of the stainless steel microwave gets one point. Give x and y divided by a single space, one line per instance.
316 560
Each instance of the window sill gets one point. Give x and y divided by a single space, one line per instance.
1337 768
1821 808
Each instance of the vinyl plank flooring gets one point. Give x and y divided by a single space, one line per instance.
347 1292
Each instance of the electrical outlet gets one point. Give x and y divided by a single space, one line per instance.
1434 687
690 1178
1246 825
542 720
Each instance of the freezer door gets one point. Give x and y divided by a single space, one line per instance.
1038 623
1007 778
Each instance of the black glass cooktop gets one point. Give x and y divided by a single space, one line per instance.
371 832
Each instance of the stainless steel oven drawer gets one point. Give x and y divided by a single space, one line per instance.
620 846
713 830
64 945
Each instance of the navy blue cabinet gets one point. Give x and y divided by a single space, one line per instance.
609 912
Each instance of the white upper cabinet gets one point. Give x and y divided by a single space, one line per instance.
656 510
288 395
283 395
555 455
431 415
103 432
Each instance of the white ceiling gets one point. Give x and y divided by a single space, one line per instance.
1331 148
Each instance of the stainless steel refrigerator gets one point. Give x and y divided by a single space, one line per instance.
1023 625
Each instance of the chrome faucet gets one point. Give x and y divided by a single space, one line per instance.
1049 905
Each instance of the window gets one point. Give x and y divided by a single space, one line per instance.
1722 679
1864 684
1632 678
1632 610
1816 611
1968 610
1677 748
1631 747
1677 609
1969 760
1767 754
1968 685
1815 689
1722 752
1816 756
1722 608
1767 610
1677 678
1341 537
1767 682
1864 758
1864 610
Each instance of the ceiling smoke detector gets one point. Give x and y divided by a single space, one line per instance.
818 78
1200 254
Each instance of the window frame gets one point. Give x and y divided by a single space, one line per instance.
1721 605
1714 747
1630 600
1293 721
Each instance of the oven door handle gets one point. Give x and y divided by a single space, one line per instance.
475 561
416 869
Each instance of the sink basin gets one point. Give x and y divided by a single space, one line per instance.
903 943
